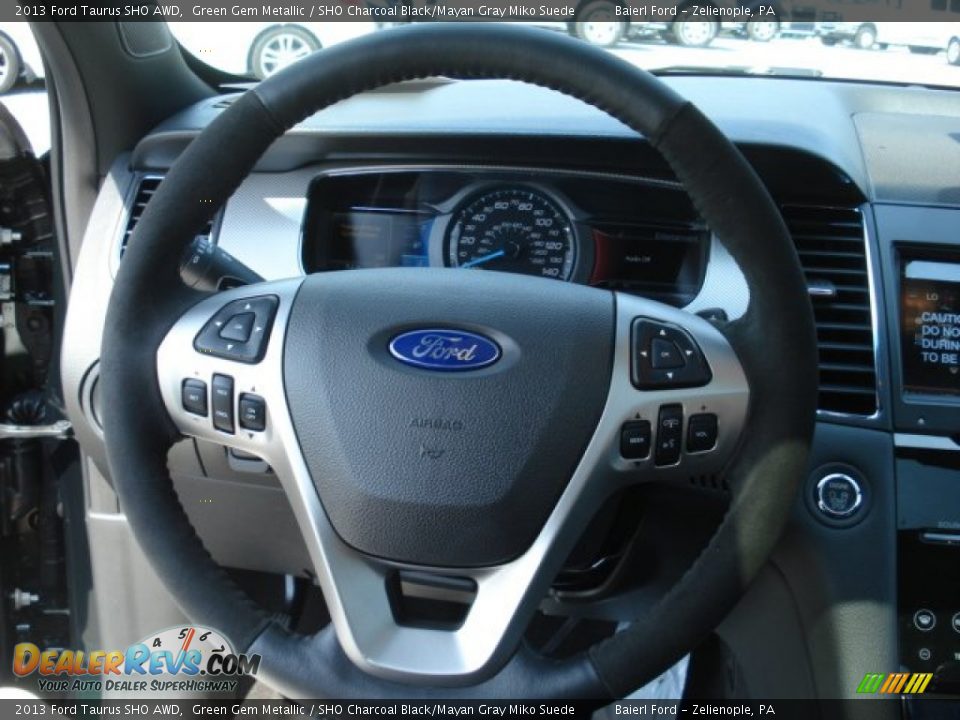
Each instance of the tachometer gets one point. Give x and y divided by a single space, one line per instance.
514 229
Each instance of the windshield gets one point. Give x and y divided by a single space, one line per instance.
926 53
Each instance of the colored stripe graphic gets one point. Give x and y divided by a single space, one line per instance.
894 683
927 677
901 681
870 683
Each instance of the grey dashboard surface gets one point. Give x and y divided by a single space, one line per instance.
752 111
923 170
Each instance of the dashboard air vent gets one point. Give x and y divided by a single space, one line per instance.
145 190
832 250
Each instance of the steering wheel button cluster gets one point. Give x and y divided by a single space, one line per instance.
223 403
194 397
635 440
239 330
253 412
701 433
665 356
669 435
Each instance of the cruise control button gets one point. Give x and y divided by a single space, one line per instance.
924 620
253 412
701 433
664 355
238 327
194 397
222 392
669 435
635 440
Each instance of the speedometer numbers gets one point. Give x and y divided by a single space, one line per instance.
516 229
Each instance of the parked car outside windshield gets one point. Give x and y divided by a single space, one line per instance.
891 52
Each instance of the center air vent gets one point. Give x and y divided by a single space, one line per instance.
145 190
832 250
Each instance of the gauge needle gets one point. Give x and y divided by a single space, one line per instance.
484 258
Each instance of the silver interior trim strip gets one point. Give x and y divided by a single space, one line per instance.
925 442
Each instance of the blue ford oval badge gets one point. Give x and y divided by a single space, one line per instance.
440 349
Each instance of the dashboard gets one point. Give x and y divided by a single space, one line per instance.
620 233
488 176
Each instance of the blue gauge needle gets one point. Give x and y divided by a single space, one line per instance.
484 258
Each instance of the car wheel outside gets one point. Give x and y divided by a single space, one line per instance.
866 37
9 65
279 47
695 33
763 30
596 24
953 51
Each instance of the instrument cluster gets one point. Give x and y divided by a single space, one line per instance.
618 232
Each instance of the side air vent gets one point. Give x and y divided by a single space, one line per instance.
832 250
145 190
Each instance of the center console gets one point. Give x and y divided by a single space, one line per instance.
921 264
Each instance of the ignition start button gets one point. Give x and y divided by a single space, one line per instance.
838 496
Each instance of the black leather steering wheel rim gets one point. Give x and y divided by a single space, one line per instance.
774 341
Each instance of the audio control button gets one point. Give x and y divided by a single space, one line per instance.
669 435
635 440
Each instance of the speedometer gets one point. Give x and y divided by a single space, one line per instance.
513 229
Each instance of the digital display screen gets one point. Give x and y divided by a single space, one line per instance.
373 238
636 256
930 326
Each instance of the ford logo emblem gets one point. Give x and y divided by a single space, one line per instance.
439 349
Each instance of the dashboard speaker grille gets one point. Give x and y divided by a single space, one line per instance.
832 248
145 190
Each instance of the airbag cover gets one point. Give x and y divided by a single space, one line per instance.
435 467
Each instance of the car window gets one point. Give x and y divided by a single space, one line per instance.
901 52
22 89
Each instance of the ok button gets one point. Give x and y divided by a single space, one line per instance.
665 355
238 327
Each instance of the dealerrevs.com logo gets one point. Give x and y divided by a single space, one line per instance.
176 660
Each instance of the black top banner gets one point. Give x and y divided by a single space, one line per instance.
493 709
400 11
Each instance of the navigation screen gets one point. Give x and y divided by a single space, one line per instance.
930 327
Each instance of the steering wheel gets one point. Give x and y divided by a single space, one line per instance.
526 385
